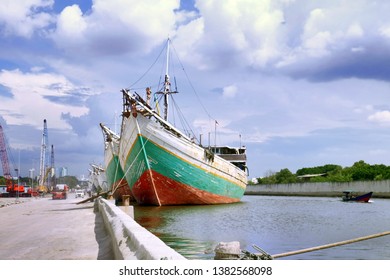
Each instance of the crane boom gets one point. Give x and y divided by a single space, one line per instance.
43 188
12 189
4 157
42 165
51 178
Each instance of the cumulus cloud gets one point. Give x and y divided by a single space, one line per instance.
316 41
70 27
23 18
339 41
244 31
115 27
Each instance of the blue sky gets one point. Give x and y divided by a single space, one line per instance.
305 83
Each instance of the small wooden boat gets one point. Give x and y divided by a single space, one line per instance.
349 196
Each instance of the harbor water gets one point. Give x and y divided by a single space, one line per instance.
277 224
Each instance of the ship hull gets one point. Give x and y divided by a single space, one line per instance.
98 180
115 178
116 181
163 168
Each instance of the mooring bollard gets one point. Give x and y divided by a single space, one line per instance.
129 210
126 200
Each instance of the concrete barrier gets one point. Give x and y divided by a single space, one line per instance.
381 189
130 240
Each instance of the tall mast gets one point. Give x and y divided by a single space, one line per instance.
166 91
167 65
167 85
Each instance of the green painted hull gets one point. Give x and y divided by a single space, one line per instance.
116 178
154 167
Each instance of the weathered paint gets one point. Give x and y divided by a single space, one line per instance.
158 177
115 176
156 189
163 168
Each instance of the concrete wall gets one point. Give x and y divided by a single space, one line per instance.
130 240
381 189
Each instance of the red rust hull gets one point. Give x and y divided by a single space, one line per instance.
153 188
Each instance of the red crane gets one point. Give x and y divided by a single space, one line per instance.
12 189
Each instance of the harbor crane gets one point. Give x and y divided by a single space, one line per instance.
52 178
43 171
12 190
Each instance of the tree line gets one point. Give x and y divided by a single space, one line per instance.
359 171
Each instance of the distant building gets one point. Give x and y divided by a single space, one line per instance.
63 171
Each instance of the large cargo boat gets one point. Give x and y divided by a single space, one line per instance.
163 166
116 181
97 181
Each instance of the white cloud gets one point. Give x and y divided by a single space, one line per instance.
186 42
229 91
382 117
385 31
315 23
235 33
115 27
326 41
317 45
34 99
23 18
355 30
321 36
70 28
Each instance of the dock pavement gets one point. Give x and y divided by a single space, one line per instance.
47 229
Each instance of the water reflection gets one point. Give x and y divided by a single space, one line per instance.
189 248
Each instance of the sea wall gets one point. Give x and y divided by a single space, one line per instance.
131 241
381 189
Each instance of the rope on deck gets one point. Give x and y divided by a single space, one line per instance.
330 245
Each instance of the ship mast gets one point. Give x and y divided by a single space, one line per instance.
167 85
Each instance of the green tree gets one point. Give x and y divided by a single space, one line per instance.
268 179
284 176
71 181
361 171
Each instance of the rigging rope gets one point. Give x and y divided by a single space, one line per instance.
150 67
192 86
160 82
